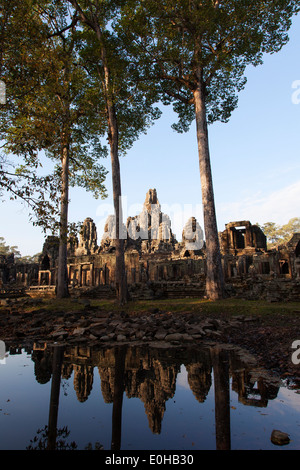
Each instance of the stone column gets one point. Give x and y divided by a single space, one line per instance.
102 277
92 274
80 275
248 236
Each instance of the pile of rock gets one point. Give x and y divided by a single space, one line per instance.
89 324
157 327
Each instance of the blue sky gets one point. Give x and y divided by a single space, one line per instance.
255 161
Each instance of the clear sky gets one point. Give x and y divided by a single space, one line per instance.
255 162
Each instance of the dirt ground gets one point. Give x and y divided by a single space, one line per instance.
272 344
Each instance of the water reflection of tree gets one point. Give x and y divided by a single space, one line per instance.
40 441
57 362
220 362
119 386
97 446
51 437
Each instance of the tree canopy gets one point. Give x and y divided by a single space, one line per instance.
280 234
180 43
38 109
9 250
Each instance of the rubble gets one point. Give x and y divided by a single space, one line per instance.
88 325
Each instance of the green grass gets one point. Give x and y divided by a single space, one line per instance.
228 307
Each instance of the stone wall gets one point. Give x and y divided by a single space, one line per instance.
154 257
15 273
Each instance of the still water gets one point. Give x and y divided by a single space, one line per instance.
142 398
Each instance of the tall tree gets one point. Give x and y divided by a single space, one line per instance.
75 114
21 34
128 109
196 53
74 122
61 117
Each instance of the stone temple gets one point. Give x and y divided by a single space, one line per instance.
157 265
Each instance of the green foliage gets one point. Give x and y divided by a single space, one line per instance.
280 234
178 44
8 250
49 98
22 67
40 440
133 102
29 259
72 110
38 192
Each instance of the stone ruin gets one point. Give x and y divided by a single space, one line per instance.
157 264
14 273
148 232
242 236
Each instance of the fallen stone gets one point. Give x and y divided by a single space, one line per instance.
83 323
96 331
174 337
196 331
187 337
121 338
60 333
96 324
197 336
212 332
160 335
110 329
79 331
139 334
105 338
279 438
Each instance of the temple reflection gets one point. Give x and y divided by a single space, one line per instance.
150 374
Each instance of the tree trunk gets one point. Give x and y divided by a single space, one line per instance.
62 270
92 22
214 276
113 137
121 286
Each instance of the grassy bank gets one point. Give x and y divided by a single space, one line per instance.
227 307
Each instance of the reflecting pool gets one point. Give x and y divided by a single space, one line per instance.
142 398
